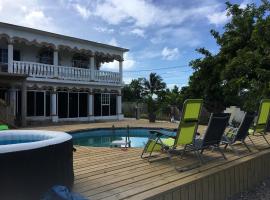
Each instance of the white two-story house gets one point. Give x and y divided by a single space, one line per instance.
51 77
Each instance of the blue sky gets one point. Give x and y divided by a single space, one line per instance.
159 33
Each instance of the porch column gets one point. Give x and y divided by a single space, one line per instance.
10 58
90 106
119 107
92 67
53 107
12 100
121 70
55 57
24 103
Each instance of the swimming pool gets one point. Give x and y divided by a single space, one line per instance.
104 137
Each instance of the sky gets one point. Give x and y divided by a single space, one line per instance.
162 35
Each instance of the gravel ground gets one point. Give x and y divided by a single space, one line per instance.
260 192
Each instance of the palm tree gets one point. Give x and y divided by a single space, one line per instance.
154 85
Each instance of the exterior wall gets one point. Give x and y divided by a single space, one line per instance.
3 43
236 114
52 77
28 53
65 58
57 40
90 114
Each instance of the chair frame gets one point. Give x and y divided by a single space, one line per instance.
158 134
263 132
236 131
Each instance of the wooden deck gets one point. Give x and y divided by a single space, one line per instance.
111 173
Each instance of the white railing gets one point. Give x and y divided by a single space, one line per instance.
40 70
107 77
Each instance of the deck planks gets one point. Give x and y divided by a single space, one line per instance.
111 173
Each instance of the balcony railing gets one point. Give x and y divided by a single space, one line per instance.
40 70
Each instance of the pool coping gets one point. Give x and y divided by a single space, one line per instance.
93 129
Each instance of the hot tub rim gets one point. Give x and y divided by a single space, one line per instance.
57 138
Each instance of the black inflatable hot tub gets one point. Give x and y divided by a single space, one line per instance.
33 161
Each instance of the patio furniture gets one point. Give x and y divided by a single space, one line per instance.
261 124
213 134
239 134
185 134
3 127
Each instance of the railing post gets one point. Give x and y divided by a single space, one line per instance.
10 58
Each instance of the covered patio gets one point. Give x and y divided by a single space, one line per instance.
11 83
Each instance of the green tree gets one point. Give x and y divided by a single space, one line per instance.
133 91
239 74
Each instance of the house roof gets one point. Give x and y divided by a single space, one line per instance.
36 31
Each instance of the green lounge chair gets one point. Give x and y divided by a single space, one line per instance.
263 116
3 127
184 136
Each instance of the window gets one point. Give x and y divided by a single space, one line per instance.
36 103
105 99
39 104
113 104
46 56
31 103
48 104
16 55
80 61
72 104
3 56
62 104
104 104
83 107
97 104
3 94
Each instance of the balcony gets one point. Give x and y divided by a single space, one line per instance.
45 71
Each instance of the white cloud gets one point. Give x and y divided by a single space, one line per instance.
128 63
243 5
82 11
183 36
171 85
218 18
138 32
26 13
127 80
144 13
170 54
104 29
113 42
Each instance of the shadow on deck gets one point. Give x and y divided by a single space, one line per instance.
106 173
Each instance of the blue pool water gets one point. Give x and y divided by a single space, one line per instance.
104 137
6 142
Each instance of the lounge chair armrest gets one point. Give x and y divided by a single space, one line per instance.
159 133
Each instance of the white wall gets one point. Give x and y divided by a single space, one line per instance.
65 58
236 114
28 53
40 36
